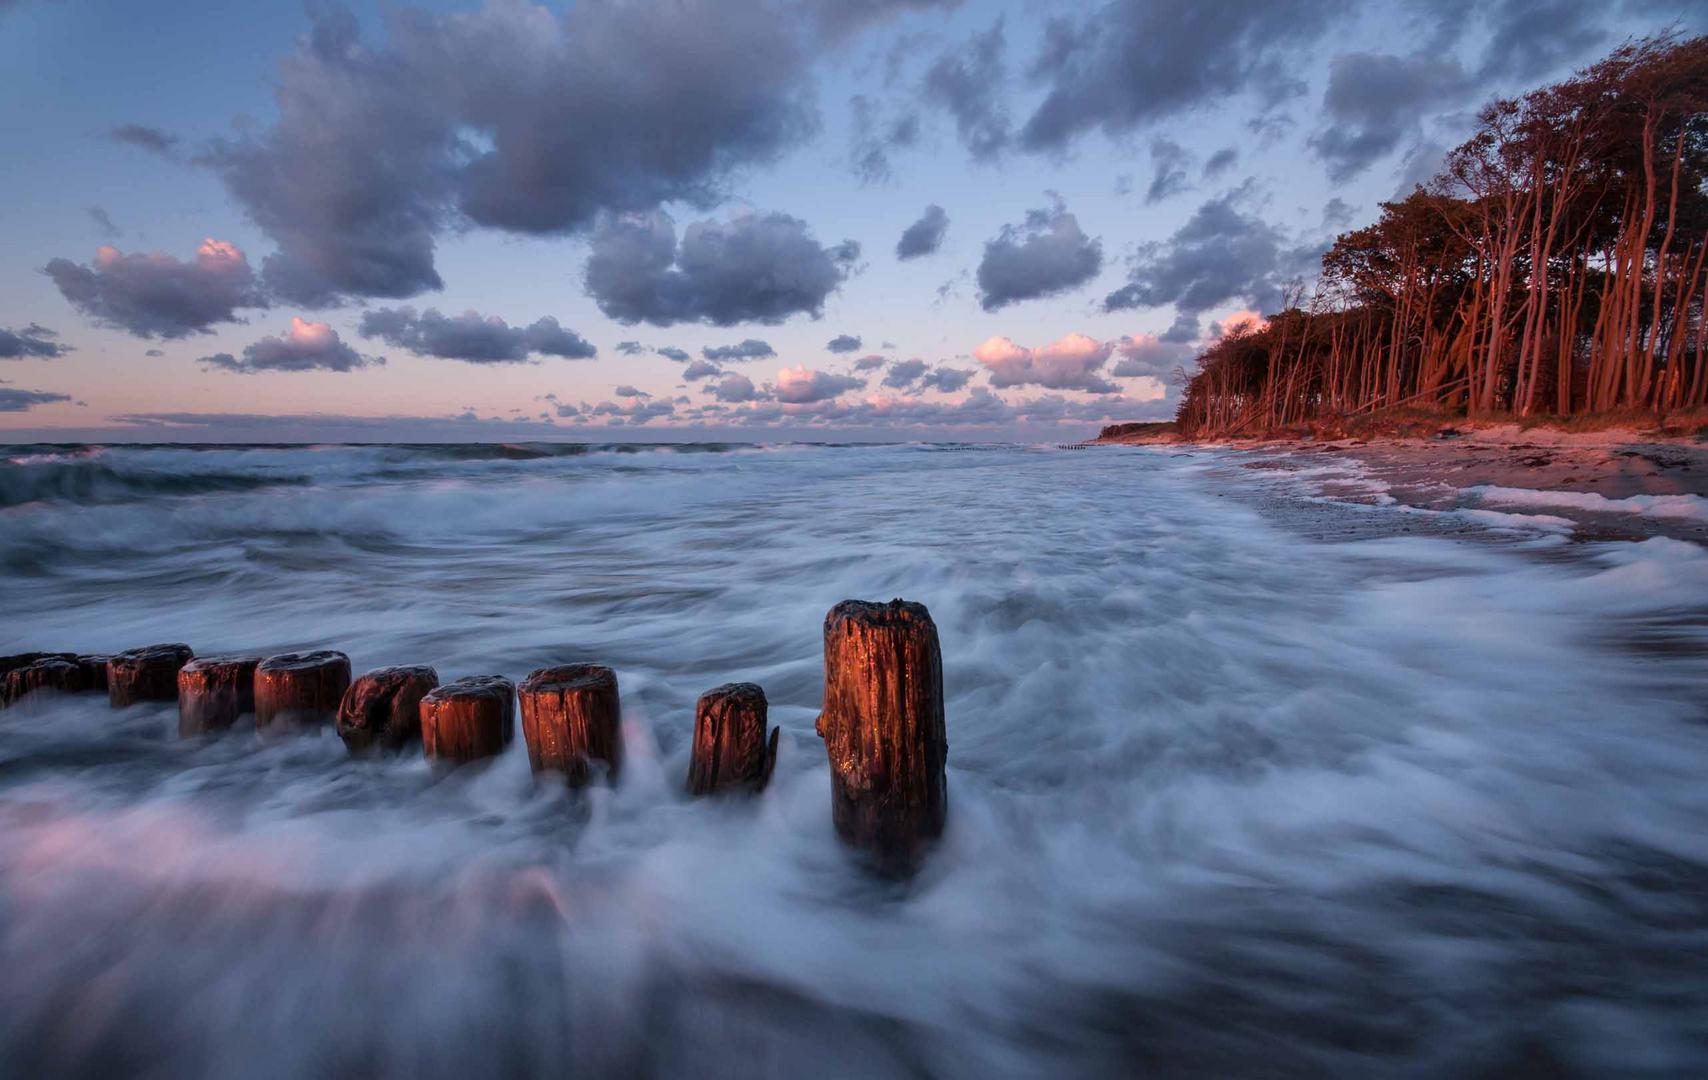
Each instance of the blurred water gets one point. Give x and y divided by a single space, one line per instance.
1226 798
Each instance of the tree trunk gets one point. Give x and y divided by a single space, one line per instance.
300 690
214 691
571 717
382 709
730 748
469 719
146 674
882 725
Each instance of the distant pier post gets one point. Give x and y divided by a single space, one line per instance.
730 747
468 719
882 725
146 674
214 691
382 709
300 689
571 717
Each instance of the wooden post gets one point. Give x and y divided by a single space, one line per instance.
51 674
213 691
882 726
382 709
94 669
146 674
300 689
468 719
730 749
571 716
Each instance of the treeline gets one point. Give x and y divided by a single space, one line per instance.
1555 265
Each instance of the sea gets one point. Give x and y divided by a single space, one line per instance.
1249 774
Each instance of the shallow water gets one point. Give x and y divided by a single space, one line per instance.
1226 798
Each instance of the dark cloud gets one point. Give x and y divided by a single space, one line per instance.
1220 162
630 348
14 400
1185 328
701 369
1170 161
147 138
842 343
307 346
157 295
1073 362
836 18
670 352
869 363
626 391
1149 355
759 267
1523 40
154 352
969 82
104 222
904 373
1374 101
33 342
509 117
1223 253
637 412
735 388
750 349
472 337
1049 254
924 236
946 379
1337 213
802 385
1131 64
875 136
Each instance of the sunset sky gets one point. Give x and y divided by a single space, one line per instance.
818 219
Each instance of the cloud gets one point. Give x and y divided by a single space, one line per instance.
626 391
510 117
1147 354
1072 362
870 362
637 412
157 295
736 388
802 385
1170 161
1222 254
1374 101
154 140
701 369
904 373
968 82
307 346
1220 162
1337 213
1127 65
630 348
842 343
924 236
946 379
837 18
750 349
476 338
874 137
104 222
33 342
758 267
1047 255
672 353
13 400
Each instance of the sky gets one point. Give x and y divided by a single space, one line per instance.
688 219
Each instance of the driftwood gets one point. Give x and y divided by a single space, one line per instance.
882 726
730 748
146 674
300 689
468 719
214 691
382 709
571 717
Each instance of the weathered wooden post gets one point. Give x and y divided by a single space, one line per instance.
882 726
382 709
300 689
146 674
468 719
51 674
730 748
571 716
213 691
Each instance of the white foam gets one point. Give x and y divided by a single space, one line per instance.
1690 507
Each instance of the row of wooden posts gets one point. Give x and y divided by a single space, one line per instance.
881 722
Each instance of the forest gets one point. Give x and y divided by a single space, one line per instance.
1555 265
